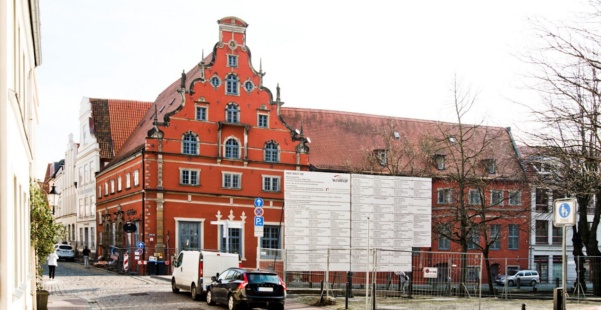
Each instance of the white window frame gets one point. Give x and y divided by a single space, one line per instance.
513 196
500 201
106 188
477 194
136 177
205 113
119 184
271 178
128 180
232 175
266 120
445 194
112 186
190 172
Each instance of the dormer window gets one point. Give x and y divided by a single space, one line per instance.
542 168
439 161
232 61
381 157
490 165
452 139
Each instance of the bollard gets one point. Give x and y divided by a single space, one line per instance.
518 283
523 306
556 282
558 299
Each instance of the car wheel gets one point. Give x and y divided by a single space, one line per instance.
510 283
210 298
231 304
193 292
278 307
174 287
533 283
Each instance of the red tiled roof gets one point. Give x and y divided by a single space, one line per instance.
341 140
167 101
114 120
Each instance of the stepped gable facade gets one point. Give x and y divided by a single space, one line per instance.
189 173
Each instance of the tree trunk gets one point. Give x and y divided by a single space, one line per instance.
578 258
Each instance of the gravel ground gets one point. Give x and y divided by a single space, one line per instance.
452 304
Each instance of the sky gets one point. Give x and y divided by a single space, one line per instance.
393 58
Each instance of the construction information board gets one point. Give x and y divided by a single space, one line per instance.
338 211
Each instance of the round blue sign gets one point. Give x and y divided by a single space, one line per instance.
564 210
258 202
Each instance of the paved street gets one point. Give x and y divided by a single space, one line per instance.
75 287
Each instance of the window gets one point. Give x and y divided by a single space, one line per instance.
496 197
215 81
188 177
86 172
231 241
119 188
542 167
542 200
232 61
232 113
80 175
444 243
231 85
513 237
231 149
262 121
444 195
495 237
188 235
473 240
127 180
190 144
490 165
542 232
201 113
99 192
112 186
106 189
249 86
271 184
515 198
557 235
439 161
475 197
381 157
271 242
271 152
231 180
136 177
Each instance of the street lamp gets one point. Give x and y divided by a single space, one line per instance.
52 198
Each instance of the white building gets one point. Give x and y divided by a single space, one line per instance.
66 209
20 54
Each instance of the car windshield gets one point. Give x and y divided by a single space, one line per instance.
263 278
65 247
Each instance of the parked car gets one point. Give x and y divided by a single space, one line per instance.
247 288
525 277
192 270
65 251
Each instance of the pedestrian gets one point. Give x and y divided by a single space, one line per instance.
86 257
52 261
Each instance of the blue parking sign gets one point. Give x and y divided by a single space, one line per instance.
259 221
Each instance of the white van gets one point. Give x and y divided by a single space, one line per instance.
192 270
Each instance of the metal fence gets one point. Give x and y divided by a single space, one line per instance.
377 272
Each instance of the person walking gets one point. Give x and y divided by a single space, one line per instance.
52 261
86 257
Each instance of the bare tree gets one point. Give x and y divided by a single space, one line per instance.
568 78
485 183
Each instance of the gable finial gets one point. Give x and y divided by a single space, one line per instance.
277 98
183 80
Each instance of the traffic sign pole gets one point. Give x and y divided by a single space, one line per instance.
564 215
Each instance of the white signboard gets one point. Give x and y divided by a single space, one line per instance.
564 212
430 272
329 210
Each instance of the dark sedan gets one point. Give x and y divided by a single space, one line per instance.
247 288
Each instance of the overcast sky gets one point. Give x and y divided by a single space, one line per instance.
396 58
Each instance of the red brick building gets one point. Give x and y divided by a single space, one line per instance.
216 139
190 172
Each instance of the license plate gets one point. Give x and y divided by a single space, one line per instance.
265 289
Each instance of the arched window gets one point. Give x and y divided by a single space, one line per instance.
271 152
232 149
232 113
190 144
231 85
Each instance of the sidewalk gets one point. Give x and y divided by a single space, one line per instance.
66 302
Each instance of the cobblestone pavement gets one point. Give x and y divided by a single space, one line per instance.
102 289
